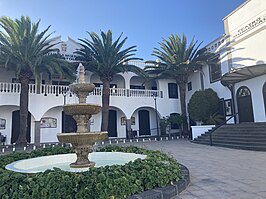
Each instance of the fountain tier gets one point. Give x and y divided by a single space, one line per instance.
83 140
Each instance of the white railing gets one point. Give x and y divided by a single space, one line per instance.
9 87
140 64
53 89
118 92
143 93
97 91
60 89
128 92
15 88
32 88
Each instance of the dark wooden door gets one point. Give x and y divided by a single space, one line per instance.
144 123
112 124
244 104
15 127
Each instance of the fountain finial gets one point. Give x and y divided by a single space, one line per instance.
80 73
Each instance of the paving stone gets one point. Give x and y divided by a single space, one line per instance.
221 173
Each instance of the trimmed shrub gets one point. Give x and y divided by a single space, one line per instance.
117 181
203 104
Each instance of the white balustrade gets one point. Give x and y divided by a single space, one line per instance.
117 92
32 88
53 89
60 89
9 87
96 91
143 93
140 64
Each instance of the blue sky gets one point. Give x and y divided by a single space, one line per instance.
144 22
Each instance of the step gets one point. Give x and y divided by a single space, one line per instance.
240 143
238 133
247 124
234 138
235 146
254 148
249 136
245 136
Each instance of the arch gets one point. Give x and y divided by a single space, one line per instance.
137 82
116 124
117 82
136 126
244 104
151 85
174 124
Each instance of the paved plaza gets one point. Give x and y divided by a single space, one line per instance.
217 173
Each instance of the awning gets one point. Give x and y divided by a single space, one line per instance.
242 74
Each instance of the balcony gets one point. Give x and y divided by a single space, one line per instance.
59 89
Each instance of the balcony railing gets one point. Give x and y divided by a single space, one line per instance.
9 87
53 89
60 89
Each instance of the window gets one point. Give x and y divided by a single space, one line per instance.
172 90
215 70
189 86
137 87
63 83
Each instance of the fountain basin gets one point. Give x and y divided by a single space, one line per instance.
82 109
82 138
62 161
81 87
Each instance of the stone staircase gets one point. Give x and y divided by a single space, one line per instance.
248 136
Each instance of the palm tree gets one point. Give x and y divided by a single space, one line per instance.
28 53
105 57
177 60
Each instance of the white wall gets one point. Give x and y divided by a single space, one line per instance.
6 76
6 113
256 88
49 134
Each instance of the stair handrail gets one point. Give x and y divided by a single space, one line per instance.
217 127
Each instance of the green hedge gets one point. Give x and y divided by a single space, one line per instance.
111 182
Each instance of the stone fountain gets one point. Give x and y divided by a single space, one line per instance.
83 140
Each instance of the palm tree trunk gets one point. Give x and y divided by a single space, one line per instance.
182 88
23 117
105 104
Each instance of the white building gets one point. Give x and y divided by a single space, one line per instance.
239 81
130 100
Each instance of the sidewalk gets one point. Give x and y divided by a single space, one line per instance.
217 173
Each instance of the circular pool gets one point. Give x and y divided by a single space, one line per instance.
62 161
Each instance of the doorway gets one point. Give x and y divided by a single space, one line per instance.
112 124
16 124
264 96
244 104
144 123
69 125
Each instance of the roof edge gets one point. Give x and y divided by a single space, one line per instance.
235 10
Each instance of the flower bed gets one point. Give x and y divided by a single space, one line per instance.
116 181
